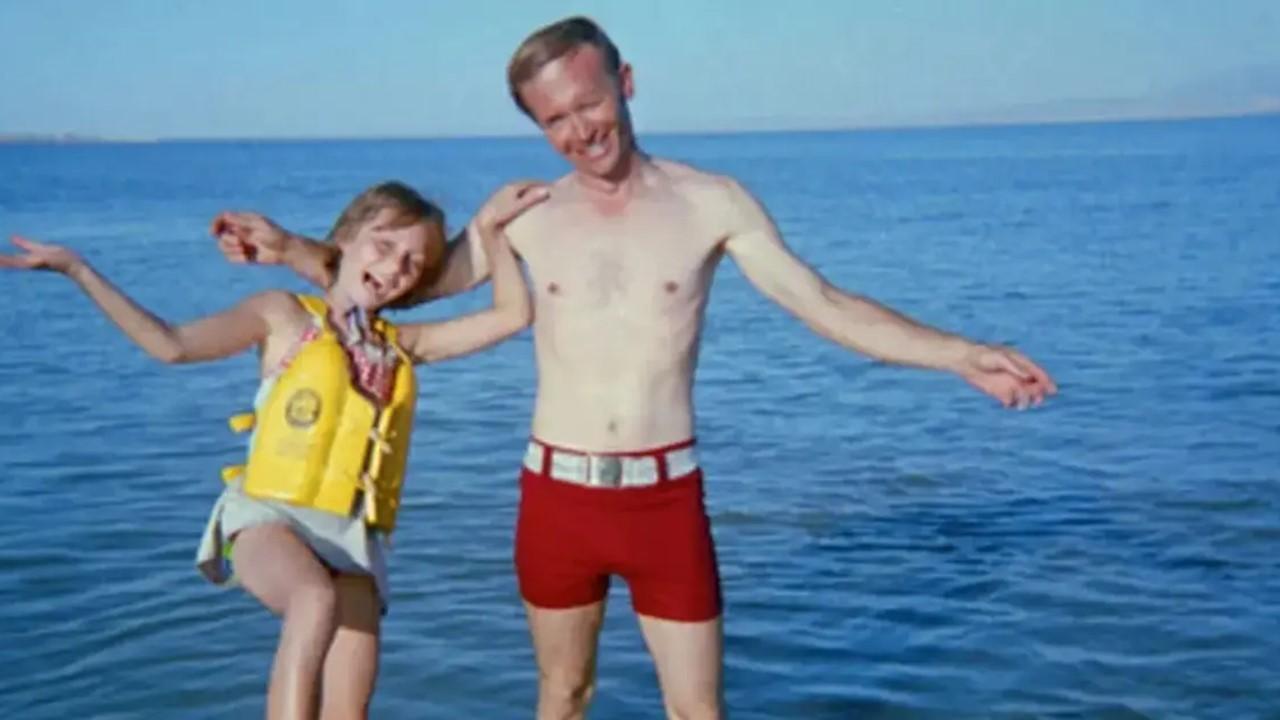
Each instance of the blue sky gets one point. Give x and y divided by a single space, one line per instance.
323 68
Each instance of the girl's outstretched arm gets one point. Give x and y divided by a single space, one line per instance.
210 338
511 312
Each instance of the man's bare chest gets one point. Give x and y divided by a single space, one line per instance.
602 264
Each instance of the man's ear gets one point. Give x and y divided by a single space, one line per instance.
626 81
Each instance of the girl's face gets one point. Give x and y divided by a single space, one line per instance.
380 263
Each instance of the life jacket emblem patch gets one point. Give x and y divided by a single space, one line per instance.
303 408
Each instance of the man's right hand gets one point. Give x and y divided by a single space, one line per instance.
247 237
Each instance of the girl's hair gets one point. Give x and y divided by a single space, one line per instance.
409 207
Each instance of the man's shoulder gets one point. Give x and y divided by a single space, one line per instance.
562 182
694 183
718 197
533 219
561 193
689 176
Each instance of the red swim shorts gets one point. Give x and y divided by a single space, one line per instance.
570 538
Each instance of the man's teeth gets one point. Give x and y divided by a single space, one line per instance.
595 150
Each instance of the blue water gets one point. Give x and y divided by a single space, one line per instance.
892 544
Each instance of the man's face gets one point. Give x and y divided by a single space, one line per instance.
582 110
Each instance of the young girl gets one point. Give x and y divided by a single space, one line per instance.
305 519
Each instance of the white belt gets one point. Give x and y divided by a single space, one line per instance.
609 470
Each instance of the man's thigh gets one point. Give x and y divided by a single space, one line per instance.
565 641
689 660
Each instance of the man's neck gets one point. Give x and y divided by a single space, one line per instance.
619 187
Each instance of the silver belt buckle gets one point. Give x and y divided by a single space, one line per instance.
609 470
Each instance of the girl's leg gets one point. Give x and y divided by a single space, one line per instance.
351 666
278 569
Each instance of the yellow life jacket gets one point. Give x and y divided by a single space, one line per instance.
319 442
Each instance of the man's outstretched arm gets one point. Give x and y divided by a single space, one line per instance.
465 266
862 324
248 237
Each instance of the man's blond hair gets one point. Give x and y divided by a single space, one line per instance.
553 42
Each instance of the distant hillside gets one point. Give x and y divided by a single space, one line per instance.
44 138
1246 91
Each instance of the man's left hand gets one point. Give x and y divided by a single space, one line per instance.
1007 375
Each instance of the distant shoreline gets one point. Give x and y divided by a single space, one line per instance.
52 139
78 139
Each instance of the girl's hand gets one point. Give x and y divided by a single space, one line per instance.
41 256
509 203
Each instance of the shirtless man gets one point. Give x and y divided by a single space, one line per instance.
621 257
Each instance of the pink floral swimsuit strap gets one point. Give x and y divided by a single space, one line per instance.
373 361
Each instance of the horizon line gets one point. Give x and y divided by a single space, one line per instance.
76 138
